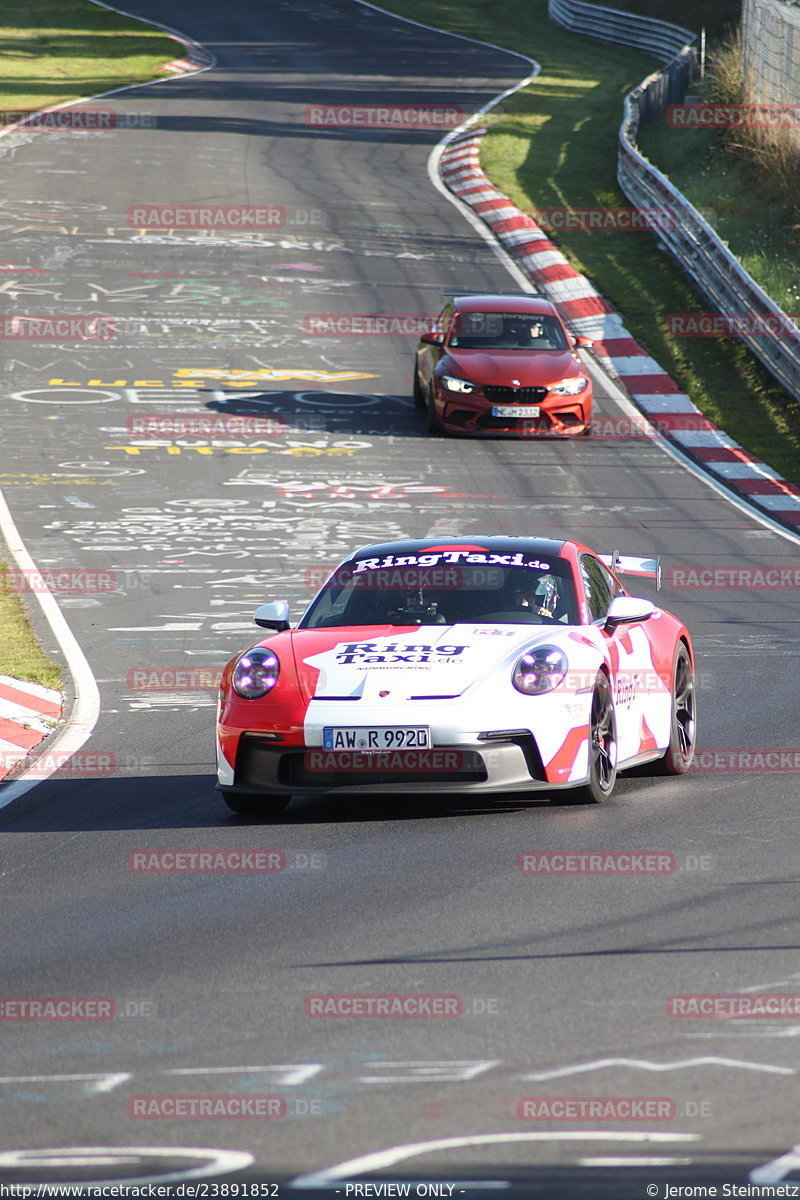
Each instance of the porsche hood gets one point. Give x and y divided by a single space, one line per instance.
410 663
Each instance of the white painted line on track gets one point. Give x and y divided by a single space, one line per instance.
390 1157
644 1064
86 708
595 369
433 162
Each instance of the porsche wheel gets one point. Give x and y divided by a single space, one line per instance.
602 748
683 726
255 806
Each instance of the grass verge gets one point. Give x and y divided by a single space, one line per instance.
57 50
555 143
21 656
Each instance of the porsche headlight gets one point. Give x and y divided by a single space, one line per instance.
256 673
570 387
457 385
540 670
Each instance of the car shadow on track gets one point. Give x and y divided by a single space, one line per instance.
191 802
310 413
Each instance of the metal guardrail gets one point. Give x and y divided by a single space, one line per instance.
714 270
609 24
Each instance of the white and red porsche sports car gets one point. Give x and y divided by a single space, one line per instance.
485 665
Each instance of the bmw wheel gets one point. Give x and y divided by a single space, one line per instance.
419 391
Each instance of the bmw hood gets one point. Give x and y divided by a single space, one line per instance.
417 663
539 368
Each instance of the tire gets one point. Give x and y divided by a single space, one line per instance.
255 806
683 724
432 425
602 748
419 391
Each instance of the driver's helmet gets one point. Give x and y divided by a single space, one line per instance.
541 597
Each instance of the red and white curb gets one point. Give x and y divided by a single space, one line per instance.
28 713
669 410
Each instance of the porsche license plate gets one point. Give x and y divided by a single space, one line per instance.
515 410
370 737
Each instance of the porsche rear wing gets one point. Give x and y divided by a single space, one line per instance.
622 564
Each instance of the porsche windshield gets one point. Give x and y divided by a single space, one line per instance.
507 331
412 591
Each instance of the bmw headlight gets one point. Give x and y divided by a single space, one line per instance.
540 670
457 385
570 387
256 673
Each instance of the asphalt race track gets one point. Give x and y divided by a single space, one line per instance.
563 981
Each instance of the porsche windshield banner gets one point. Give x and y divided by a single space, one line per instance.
435 557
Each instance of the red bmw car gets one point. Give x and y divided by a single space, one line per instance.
502 365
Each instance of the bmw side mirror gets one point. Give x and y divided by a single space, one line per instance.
432 339
273 616
582 343
627 610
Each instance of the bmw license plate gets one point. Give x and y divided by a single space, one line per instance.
370 737
515 410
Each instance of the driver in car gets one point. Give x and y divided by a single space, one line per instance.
543 599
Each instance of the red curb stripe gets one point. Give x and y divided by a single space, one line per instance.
685 421
766 487
556 271
626 347
26 739
513 224
721 454
487 206
650 384
536 246
587 306
28 700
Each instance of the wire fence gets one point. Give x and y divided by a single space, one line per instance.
771 52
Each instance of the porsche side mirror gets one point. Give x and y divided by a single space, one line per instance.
273 616
627 610
432 339
582 343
